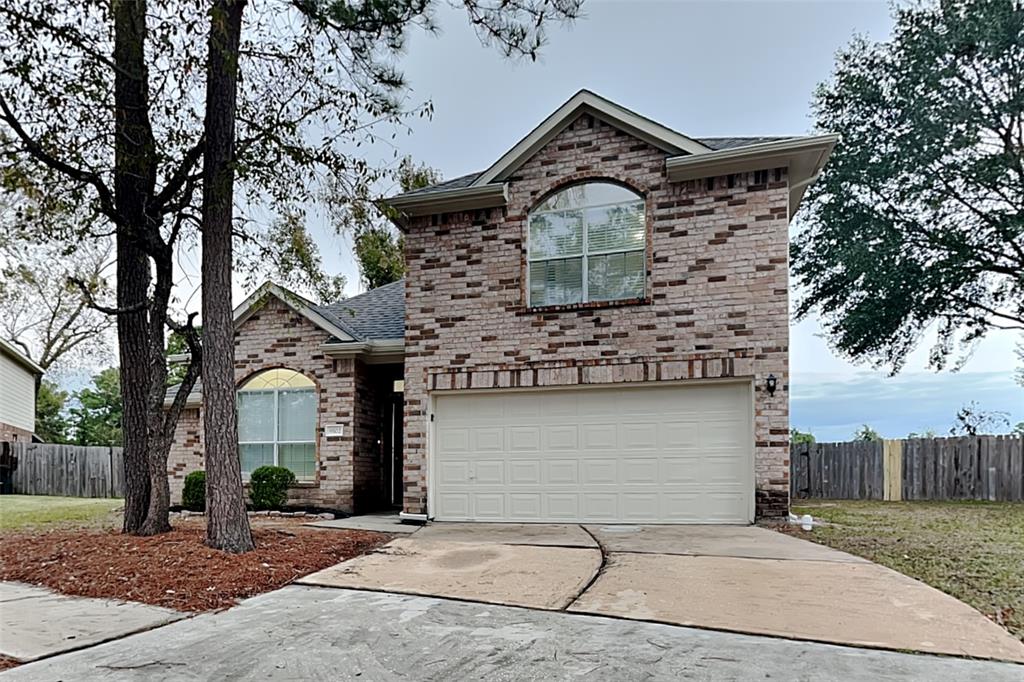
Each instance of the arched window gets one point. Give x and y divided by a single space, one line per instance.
587 243
277 422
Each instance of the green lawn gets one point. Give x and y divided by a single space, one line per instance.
971 550
18 512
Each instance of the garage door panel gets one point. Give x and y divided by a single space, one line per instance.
640 506
642 471
652 454
525 506
564 506
454 472
524 439
490 506
563 472
681 470
600 506
524 472
489 472
486 439
598 436
600 472
678 434
561 437
454 439
638 436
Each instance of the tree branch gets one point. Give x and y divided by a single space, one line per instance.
36 150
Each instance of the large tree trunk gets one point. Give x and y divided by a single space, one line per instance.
227 525
133 157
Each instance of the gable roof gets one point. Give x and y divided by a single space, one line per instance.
687 158
17 356
371 322
254 301
587 102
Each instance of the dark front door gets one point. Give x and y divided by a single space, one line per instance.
396 464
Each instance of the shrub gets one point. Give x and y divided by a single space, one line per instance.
268 487
193 497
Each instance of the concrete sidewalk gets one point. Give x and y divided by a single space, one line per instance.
36 622
308 633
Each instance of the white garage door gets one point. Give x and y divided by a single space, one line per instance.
656 454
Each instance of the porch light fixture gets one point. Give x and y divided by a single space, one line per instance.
771 383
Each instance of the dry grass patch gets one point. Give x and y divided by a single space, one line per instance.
971 550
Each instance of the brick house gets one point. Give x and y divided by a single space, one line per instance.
595 328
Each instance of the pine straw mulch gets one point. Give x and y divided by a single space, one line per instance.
6 662
175 570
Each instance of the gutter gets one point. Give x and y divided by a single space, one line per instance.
373 352
450 201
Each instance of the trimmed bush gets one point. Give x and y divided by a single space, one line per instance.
193 497
268 487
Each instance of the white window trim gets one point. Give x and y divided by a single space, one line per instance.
584 254
276 442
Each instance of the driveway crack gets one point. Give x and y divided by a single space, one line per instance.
597 573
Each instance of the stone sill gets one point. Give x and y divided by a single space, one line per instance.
590 305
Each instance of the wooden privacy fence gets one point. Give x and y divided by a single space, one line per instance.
71 470
965 468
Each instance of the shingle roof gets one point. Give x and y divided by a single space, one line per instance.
720 143
378 314
454 183
714 143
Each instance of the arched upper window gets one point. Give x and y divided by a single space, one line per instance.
587 242
277 422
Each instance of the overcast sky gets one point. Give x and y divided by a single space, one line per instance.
718 68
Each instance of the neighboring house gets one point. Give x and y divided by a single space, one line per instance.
19 379
595 329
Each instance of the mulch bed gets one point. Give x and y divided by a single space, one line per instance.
6 662
175 570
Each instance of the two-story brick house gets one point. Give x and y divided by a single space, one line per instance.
595 329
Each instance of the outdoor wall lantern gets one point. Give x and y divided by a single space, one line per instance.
771 383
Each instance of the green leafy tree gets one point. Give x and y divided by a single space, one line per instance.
98 417
798 437
927 433
1018 430
379 247
917 221
865 432
52 424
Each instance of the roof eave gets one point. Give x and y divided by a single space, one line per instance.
20 358
803 158
450 201
377 352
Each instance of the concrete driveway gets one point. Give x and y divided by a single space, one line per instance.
740 579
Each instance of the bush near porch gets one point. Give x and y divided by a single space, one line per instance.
971 550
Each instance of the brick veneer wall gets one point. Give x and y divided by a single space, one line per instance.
716 303
9 432
277 336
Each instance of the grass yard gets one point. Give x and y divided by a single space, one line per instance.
971 550
22 512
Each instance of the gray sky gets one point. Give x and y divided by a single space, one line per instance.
718 68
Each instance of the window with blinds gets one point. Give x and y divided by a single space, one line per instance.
587 243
